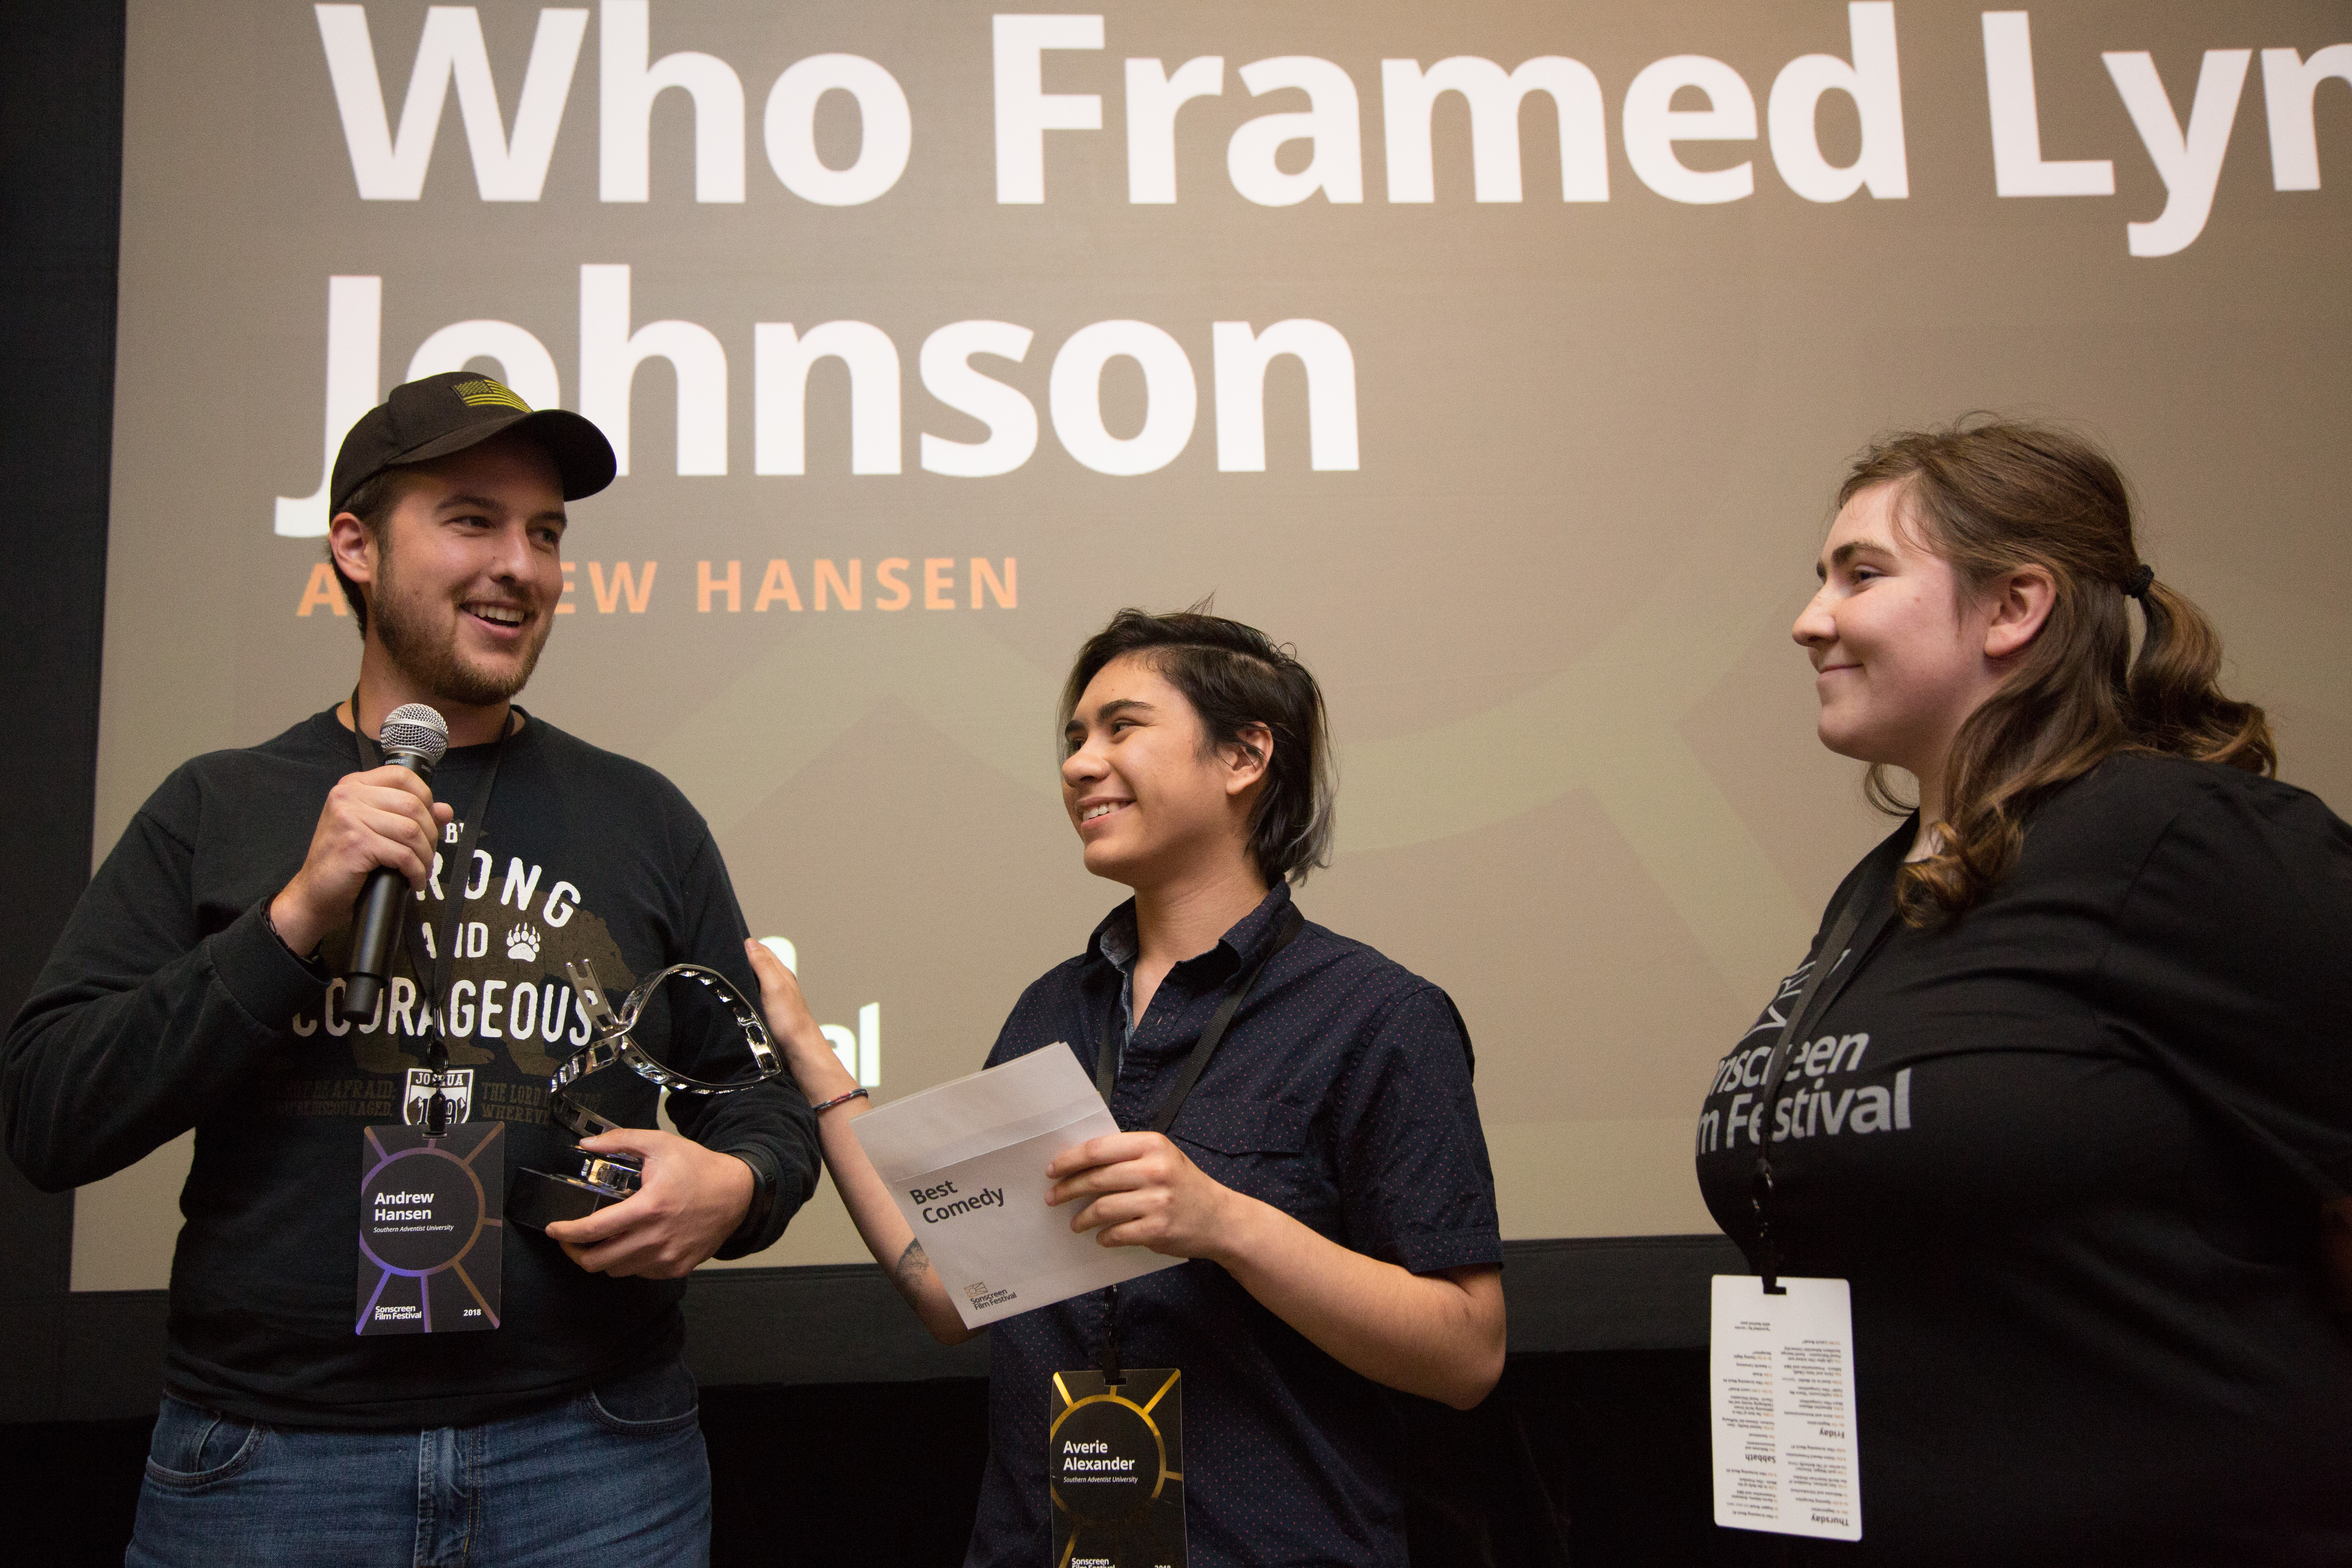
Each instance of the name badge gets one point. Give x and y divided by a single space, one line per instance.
431 1230
1782 1375
1115 1462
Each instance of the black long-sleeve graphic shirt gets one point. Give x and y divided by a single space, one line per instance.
169 1004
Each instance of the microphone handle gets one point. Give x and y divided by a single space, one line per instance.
376 925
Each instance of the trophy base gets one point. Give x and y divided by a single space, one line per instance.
540 1198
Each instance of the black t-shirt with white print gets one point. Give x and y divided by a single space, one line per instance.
169 1004
2089 1316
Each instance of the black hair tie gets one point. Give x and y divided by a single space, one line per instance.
2138 584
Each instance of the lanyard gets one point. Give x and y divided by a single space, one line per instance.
1867 898
1107 1078
436 1049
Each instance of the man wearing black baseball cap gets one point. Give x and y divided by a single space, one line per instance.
317 1410
448 413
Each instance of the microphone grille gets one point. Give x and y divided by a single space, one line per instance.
415 729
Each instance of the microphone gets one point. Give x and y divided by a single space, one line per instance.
414 737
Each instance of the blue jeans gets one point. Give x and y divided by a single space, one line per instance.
616 1476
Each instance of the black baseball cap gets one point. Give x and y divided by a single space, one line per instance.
457 409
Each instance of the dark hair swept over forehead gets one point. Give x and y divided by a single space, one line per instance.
1236 676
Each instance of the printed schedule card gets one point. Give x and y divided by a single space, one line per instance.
1782 1376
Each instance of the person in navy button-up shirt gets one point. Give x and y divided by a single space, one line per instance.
1326 1176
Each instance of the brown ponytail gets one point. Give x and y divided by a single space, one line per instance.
1990 495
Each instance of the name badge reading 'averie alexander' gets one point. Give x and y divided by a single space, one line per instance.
1115 1467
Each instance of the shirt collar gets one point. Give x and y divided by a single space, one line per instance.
1115 938
1116 942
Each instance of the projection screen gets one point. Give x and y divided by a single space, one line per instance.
1501 357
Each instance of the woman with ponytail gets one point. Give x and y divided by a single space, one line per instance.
2070 1108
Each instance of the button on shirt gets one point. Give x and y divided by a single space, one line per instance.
1341 1095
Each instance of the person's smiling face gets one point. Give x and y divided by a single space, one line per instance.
1151 799
467 571
1899 649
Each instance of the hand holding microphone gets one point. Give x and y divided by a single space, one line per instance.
374 838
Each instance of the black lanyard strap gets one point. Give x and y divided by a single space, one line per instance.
456 867
1866 898
1107 1059
1107 1357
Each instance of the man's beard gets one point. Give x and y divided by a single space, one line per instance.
437 666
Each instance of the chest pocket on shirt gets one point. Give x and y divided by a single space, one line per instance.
1257 1147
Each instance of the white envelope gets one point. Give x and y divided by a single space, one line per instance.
965 1162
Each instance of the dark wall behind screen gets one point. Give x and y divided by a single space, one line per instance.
60 167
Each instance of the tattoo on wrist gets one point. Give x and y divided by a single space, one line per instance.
908 1274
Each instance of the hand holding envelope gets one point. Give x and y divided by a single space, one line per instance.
966 1164
1139 1189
